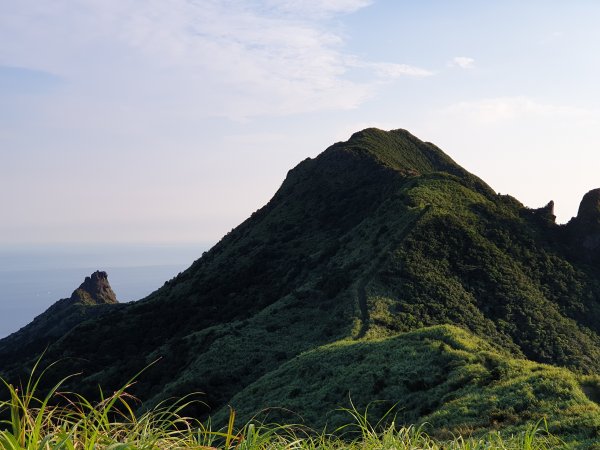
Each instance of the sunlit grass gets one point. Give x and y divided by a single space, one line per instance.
63 420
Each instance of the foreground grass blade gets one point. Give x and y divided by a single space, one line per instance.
75 423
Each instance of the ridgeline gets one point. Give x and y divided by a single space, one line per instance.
380 270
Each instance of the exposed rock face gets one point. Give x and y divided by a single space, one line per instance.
589 208
95 289
584 230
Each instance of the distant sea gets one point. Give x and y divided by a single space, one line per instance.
33 278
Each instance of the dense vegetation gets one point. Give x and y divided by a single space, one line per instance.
39 423
440 376
329 292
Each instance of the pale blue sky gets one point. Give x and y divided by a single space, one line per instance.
172 120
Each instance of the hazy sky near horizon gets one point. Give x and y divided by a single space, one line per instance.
173 120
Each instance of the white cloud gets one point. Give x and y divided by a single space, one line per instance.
552 38
318 8
391 70
503 109
387 71
229 58
463 62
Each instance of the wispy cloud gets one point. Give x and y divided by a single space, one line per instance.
463 62
503 109
391 70
552 38
318 8
227 58
17 80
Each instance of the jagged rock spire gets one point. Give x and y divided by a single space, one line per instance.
95 289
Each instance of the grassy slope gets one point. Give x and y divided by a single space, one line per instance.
79 424
443 376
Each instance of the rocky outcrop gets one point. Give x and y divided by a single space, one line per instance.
589 209
584 230
95 290
92 299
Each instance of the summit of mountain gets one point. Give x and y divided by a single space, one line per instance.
379 248
405 153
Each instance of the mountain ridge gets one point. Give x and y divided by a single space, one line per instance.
376 237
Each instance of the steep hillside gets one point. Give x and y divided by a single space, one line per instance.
378 236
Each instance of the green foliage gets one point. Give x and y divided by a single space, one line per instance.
441 376
111 424
326 289
472 262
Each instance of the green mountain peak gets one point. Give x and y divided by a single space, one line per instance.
402 151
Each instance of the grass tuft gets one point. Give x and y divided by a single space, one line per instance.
68 421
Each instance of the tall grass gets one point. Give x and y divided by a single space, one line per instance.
68 421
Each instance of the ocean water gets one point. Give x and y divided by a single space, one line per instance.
33 278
